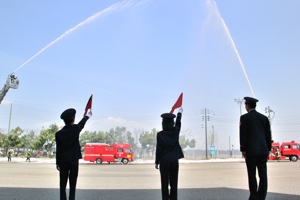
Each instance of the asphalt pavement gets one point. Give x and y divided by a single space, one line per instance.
215 180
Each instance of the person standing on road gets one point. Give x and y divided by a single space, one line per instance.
28 156
168 151
255 145
9 157
68 151
277 154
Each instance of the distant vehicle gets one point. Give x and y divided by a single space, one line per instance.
39 153
290 150
108 153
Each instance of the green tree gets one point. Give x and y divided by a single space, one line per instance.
153 140
117 135
101 137
110 136
183 141
143 142
46 138
120 133
23 142
84 138
92 137
14 139
27 141
31 137
148 141
4 142
39 143
2 139
131 140
192 143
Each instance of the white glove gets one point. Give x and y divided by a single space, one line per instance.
180 110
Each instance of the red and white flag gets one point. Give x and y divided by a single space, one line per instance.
178 103
88 105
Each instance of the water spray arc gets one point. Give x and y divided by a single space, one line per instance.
233 45
13 82
111 8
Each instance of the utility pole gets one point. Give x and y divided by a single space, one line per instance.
9 118
217 147
205 118
269 111
239 102
229 148
213 133
205 134
213 139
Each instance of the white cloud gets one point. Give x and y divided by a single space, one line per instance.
47 125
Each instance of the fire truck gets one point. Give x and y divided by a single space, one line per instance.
288 150
100 152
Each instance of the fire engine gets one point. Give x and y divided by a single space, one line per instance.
100 152
289 150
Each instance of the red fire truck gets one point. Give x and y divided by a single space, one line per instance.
100 152
289 150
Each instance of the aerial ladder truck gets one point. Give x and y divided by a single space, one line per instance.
11 82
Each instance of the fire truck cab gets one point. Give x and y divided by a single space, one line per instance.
100 152
289 150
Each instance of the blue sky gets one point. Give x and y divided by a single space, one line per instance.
136 57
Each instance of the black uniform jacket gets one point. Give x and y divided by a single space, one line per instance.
168 148
255 134
67 142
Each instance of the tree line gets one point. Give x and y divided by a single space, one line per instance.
142 142
19 139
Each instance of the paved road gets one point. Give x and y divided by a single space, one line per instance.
220 181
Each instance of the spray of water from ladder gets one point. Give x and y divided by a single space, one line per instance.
111 8
234 47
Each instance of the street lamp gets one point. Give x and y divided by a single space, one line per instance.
239 102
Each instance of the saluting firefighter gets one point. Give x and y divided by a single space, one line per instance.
68 151
168 151
255 145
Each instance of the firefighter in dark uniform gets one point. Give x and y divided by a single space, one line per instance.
9 156
28 156
255 145
68 151
277 154
168 151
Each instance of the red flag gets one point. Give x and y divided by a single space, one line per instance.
88 105
177 104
